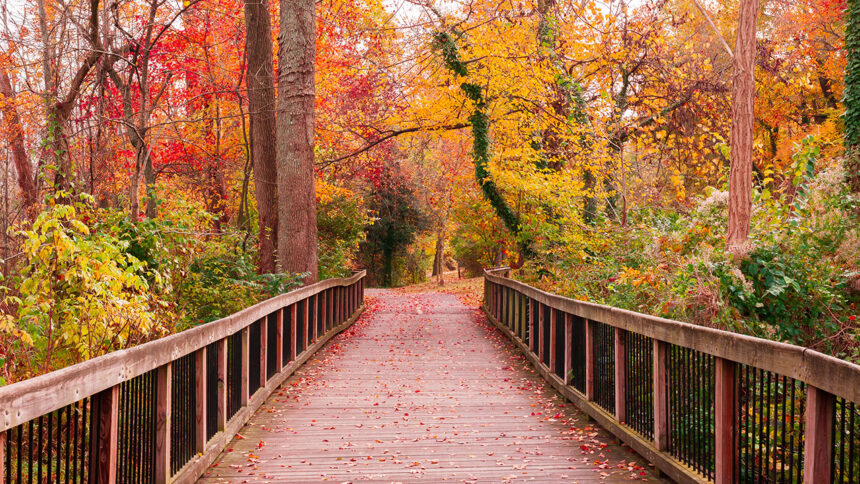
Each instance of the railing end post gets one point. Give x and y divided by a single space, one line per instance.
818 446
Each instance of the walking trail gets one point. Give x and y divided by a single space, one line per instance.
422 387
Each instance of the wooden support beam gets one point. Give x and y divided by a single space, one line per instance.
200 400
244 358
661 396
279 341
724 417
163 402
552 339
105 443
568 346
264 350
534 309
294 311
317 316
818 447
589 359
222 384
621 375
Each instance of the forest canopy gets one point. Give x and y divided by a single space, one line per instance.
591 144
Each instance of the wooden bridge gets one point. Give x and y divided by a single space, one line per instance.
423 388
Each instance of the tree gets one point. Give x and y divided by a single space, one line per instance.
15 134
261 103
297 230
743 119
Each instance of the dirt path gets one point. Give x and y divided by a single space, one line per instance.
421 388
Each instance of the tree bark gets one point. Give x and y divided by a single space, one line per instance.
297 230
261 104
852 95
743 119
15 136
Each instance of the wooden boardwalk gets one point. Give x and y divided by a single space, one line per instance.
421 388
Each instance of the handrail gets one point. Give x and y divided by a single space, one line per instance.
730 374
291 327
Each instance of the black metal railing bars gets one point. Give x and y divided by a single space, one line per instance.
162 411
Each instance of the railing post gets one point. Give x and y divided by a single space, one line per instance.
620 375
103 446
244 358
724 415
568 346
661 396
200 389
541 331
317 316
324 314
279 341
264 348
818 448
3 456
534 308
164 400
589 359
305 325
552 339
222 384
293 327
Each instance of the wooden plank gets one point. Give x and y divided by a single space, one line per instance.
818 446
294 309
589 359
162 423
724 418
831 374
661 396
316 305
621 375
26 400
568 346
244 358
552 338
279 341
534 308
200 400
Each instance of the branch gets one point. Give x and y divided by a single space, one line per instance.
393 134
714 27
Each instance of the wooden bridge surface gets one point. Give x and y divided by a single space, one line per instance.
421 388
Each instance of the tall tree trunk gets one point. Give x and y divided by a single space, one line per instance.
15 134
297 230
852 95
261 104
743 119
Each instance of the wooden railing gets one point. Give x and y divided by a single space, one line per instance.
163 411
700 404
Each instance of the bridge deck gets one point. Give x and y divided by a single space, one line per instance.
421 387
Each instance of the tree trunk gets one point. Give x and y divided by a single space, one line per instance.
743 118
15 134
261 104
297 232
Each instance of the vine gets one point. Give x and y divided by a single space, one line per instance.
480 122
852 94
